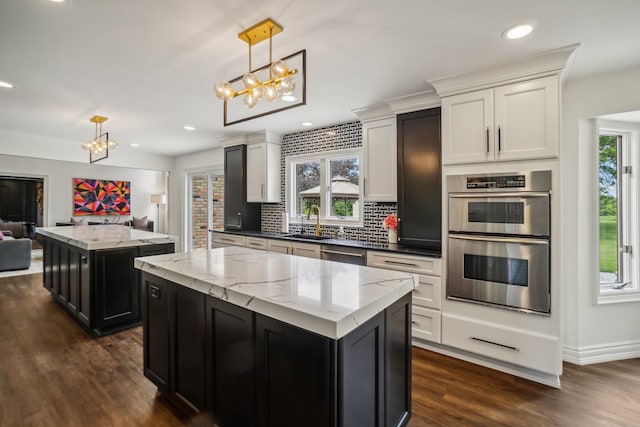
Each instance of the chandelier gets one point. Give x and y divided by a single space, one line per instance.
280 81
99 146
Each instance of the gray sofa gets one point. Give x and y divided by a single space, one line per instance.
15 254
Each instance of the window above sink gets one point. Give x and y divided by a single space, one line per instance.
330 180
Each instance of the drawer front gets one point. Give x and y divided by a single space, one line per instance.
531 350
228 239
279 246
425 324
257 243
428 293
407 263
309 250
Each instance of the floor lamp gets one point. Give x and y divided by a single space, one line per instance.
159 199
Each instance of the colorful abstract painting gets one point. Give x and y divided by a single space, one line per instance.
101 197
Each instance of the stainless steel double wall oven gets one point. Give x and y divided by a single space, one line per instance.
499 240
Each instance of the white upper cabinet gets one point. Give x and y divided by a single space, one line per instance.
263 168
510 122
379 164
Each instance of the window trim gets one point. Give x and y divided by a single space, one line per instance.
323 157
628 209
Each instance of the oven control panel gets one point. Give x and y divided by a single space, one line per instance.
500 181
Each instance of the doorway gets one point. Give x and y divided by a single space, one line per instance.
22 200
206 207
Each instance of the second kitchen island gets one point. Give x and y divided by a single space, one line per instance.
89 272
253 338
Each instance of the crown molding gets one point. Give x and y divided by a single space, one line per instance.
374 112
264 135
541 65
414 102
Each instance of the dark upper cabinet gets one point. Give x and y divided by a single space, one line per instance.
420 179
238 214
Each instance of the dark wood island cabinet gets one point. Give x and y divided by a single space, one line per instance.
90 273
210 344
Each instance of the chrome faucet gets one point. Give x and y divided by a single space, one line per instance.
317 209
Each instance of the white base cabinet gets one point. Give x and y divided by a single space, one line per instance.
519 347
511 122
426 299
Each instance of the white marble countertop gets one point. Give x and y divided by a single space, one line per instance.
328 298
104 236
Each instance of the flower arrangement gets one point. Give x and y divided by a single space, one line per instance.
391 222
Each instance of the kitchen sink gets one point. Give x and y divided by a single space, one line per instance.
307 236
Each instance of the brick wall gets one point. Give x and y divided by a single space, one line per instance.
342 136
199 211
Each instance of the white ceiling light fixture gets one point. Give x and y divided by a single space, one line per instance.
135 145
99 146
519 31
307 124
6 85
58 1
280 80
187 127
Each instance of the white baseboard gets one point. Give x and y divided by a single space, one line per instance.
518 371
587 355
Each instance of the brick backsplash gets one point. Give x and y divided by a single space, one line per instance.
337 137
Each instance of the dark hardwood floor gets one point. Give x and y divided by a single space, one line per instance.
53 374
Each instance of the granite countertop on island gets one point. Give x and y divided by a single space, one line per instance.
92 237
325 297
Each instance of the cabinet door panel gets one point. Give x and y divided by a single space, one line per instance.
294 376
362 375
188 336
231 362
63 296
527 116
466 119
156 331
379 160
256 172
420 179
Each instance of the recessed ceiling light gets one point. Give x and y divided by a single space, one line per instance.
6 85
306 124
519 31
58 1
189 128
288 98
135 145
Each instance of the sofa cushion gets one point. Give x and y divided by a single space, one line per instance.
76 221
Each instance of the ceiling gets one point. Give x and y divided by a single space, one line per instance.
150 66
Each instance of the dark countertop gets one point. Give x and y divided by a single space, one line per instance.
386 247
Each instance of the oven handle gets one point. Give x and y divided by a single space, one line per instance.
523 195
516 240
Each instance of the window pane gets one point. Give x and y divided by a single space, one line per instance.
345 187
609 209
307 186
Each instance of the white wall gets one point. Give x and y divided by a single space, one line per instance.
203 161
56 149
58 184
592 333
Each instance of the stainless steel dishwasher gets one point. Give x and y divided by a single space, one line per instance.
344 254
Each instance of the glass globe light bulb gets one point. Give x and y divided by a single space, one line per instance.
250 80
287 86
279 68
223 90
256 93
250 101
113 144
270 92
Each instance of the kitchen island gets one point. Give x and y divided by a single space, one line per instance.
255 338
89 272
